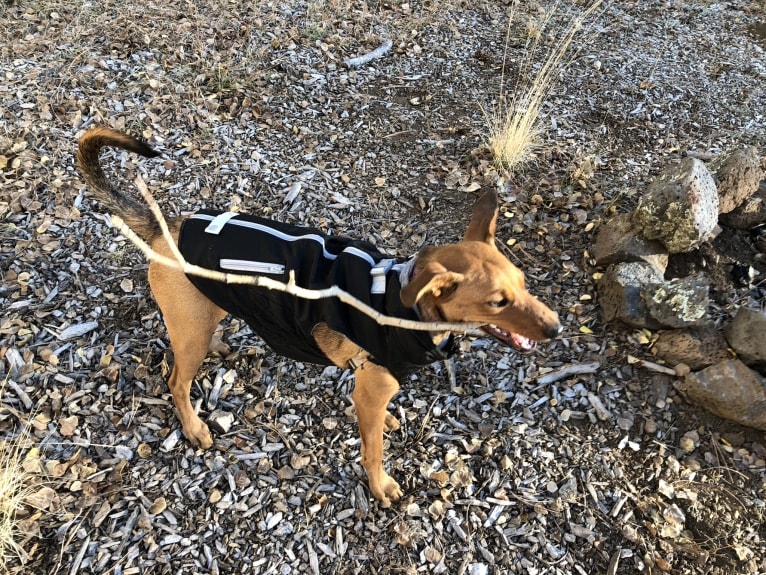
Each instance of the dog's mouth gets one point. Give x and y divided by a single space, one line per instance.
510 338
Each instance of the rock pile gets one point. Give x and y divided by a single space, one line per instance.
679 212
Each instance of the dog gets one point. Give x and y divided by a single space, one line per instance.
469 281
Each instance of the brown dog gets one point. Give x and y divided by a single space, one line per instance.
470 281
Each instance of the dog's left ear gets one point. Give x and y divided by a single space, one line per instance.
435 279
484 221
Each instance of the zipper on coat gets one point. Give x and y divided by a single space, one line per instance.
251 267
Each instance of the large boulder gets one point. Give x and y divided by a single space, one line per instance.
618 240
680 208
737 178
680 302
731 390
622 293
636 294
750 213
747 335
697 348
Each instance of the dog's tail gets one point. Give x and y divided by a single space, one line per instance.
137 215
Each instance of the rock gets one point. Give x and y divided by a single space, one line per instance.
221 421
618 240
697 348
636 294
747 335
730 390
750 213
680 208
680 302
737 179
621 293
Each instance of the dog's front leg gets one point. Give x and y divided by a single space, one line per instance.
375 386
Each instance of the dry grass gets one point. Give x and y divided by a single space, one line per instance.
13 491
513 123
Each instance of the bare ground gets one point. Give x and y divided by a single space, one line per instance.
609 472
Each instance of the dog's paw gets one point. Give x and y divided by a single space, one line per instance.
391 423
388 491
198 434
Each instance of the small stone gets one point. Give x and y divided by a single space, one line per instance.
692 463
552 487
687 444
221 421
624 423
123 452
682 370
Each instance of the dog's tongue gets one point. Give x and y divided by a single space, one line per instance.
523 342
509 338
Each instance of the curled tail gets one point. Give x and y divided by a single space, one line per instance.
136 214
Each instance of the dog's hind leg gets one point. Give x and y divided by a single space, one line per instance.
375 386
190 319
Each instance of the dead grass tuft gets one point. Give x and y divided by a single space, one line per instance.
14 489
513 123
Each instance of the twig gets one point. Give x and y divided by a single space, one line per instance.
376 53
178 262
566 371
79 557
704 156
651 366
614 562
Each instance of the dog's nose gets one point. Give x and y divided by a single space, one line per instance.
554 330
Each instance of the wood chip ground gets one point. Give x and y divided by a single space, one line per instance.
603 469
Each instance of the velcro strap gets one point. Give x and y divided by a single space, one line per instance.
215 226
378 273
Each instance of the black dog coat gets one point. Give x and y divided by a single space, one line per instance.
244 244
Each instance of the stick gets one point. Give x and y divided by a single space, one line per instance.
178 262
651 366
566 371
376 53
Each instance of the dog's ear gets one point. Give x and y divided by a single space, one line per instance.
435 279
484 221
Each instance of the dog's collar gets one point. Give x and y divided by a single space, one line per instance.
406 273
406 270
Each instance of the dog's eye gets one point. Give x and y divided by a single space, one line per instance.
501 303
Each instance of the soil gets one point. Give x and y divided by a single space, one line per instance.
610 471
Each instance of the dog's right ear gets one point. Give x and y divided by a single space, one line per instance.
484 220
435 279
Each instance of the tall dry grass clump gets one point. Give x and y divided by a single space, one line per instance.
513 126
14 489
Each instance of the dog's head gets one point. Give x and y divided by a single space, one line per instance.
472 281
